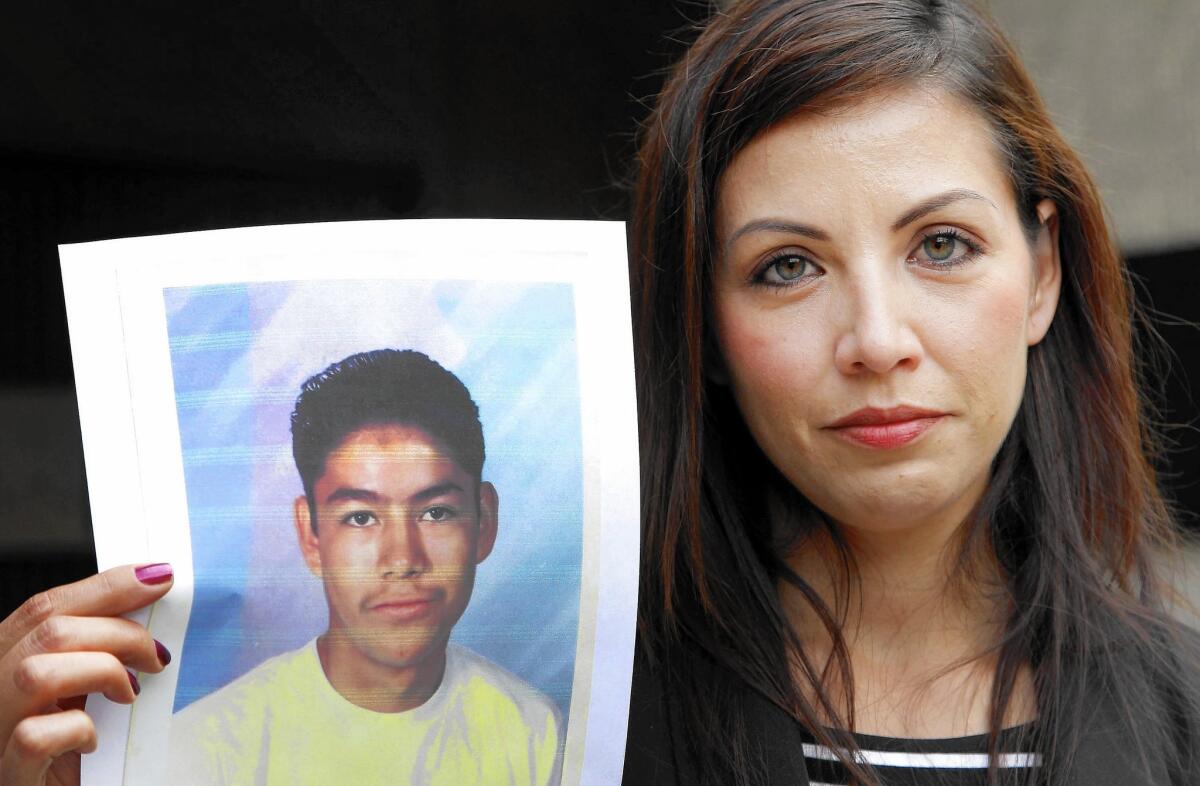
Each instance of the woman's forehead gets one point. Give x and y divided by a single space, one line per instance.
894 147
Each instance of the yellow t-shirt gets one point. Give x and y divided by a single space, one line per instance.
283 723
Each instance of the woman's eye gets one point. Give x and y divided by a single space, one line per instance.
439 513
945 249
939 247
359 518
785 269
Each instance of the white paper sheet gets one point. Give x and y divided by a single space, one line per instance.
189 351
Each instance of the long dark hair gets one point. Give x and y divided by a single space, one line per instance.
1073 510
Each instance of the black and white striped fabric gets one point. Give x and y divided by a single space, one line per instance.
960 761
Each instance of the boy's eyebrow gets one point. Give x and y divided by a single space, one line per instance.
366 495
438 490
359 495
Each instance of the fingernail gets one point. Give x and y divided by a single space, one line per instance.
137 687
164 655
154 574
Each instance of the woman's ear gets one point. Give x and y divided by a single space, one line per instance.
1047 274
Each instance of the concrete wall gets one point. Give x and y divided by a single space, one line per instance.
1122 80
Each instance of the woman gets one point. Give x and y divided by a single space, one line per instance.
60 646
897 505
896 487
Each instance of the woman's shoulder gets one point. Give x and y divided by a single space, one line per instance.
657 755
1111 747
1183 698
657 751
649 755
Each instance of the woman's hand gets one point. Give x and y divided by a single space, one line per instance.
58 647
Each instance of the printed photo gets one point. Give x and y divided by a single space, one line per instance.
397 482
387 551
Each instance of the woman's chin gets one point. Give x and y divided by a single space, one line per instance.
880 501
901 508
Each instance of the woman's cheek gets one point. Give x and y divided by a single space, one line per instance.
771 366
986 351
775 373
1002 331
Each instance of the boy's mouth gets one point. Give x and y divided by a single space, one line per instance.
403 609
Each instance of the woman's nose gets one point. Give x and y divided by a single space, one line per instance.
402 551
877 333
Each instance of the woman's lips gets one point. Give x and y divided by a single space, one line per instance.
886 428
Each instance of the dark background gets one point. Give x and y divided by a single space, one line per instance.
142 118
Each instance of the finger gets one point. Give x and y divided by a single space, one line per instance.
106 594
36 741
72 703
128 641
40 680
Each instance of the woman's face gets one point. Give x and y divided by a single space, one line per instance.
874 300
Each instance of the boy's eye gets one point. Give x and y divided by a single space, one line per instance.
438 513
359 518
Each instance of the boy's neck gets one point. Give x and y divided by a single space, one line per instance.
376 686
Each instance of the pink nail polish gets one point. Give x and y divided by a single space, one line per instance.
133 681
164 655
157 573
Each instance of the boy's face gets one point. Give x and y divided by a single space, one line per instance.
400 528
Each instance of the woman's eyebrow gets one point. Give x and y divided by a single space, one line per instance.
775 225
938 201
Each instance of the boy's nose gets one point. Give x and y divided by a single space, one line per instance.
402 553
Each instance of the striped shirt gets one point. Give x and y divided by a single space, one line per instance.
957 761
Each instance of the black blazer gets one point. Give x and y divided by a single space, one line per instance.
656 756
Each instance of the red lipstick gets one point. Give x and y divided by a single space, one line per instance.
885 429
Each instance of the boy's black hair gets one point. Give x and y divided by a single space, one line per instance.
378 387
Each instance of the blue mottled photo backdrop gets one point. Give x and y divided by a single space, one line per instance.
239 354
